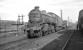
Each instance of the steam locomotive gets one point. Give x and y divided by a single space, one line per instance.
41 23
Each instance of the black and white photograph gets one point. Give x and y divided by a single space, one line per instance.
41 24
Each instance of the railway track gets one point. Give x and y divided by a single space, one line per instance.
75 42
63 48
23 42
61 43
4 31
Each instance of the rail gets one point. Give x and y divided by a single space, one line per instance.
8 31
67 42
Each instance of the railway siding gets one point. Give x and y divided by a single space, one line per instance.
59 44
75 42
31 43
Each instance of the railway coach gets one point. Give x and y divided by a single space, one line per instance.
80 21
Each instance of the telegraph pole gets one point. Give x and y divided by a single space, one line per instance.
18 21
22 19
0 22
5 27
68 21
61 14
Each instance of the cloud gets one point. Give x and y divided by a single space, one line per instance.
69 4
11 8
1 5
78 0
1 0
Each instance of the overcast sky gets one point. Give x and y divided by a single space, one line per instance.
10 9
